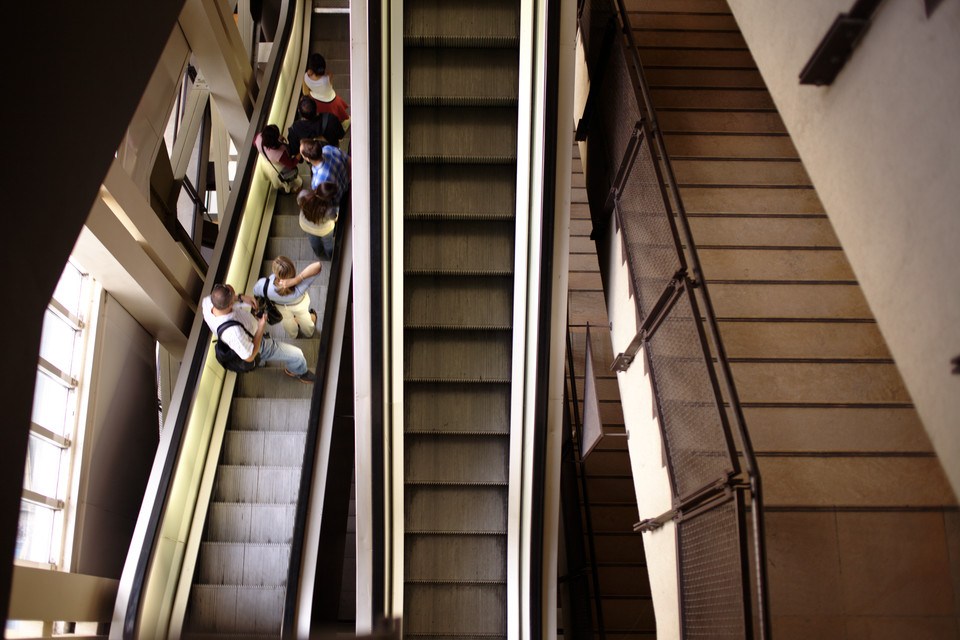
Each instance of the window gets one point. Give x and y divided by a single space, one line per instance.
51 450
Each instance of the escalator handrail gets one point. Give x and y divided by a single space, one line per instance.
288 622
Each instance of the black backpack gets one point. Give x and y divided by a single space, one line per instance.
227 356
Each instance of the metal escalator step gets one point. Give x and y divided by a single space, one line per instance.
477 134
272 382
455 483
268 448
233 609
454 636
455 558
455 215
287 227
457 326
286 209
446 460
469 609
460 355
448 272
459 244
331 46
462 41
490 18
297 248
265 414
252 565
257 484
455 509
457 408
489 76
460 101
438 301
458 381
508 159
460 188
250 522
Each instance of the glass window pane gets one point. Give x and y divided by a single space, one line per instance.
69 288
58 342
34 533
186 211
24 629
42 472
51 405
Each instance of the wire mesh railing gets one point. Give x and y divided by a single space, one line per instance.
630 183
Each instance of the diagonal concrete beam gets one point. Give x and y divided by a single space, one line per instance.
211 31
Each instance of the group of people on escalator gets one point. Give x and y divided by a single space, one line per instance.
314 138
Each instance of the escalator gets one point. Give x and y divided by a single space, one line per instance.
460 173
242 565
220 544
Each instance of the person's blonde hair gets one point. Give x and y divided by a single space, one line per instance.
283 269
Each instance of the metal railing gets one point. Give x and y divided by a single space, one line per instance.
630 182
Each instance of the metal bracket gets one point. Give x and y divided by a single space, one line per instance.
624 359
838 44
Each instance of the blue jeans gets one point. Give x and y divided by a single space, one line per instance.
322 245
290 355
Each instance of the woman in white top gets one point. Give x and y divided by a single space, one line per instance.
288 290
318 85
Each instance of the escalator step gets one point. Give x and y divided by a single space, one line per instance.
250 522
457 408
256 484
268 414
445 134
251 565
460 189
267 448
467 460
455 510
480 609
457 356
457 76
231 609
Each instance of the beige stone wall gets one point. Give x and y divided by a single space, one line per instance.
882 147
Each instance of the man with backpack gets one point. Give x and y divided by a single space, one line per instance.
242 344
312 125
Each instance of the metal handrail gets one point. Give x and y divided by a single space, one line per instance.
723 366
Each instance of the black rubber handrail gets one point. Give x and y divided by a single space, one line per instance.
548 192
288 622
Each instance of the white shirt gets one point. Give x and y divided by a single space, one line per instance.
235 337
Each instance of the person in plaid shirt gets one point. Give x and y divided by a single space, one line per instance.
320 207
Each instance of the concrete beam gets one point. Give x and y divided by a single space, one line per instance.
121 265
213 36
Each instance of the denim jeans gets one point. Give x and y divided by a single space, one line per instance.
322 245
290 355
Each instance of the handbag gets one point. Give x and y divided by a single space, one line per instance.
289 174
268 306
